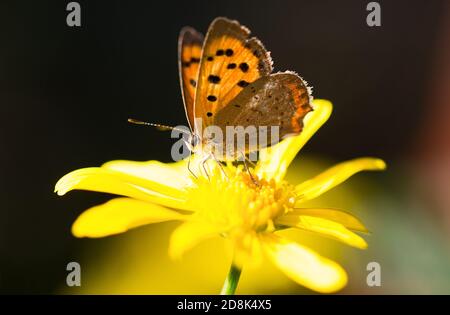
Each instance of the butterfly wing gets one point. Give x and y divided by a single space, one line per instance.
280 99
230 61
190 44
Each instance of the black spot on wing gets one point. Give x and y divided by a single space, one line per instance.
244 67
229 52
243 83
214 79
187 64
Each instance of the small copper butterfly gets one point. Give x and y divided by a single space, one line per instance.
227 80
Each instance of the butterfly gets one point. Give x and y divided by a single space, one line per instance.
226 80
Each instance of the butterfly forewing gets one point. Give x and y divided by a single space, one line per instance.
281 99
230 61
190 44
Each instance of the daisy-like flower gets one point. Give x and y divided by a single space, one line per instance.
246 211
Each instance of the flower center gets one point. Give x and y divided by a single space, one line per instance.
241 202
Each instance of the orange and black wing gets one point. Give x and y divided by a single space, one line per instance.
230 61
190 44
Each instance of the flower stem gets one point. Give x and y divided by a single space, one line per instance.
232 280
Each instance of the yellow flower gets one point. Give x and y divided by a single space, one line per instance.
246 212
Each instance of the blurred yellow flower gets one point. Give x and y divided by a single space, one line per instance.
247 212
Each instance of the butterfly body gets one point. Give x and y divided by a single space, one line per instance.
228 88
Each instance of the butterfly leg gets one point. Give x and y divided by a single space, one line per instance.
189 166
203 165
190 148
247 169
220 165
250 161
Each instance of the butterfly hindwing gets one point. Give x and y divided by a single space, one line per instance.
230 61
190 44
280 99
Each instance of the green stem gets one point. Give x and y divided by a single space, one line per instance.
232 280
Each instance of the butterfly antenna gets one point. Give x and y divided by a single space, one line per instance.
159 126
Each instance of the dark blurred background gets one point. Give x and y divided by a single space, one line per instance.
66 93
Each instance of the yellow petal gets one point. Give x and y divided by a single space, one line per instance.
189 234
119 215
304 266
335 175
113 182
325 227
274 161
174 175
346 219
